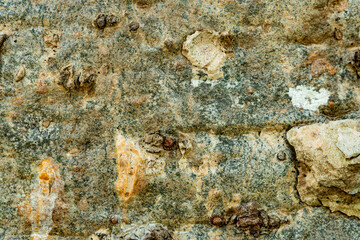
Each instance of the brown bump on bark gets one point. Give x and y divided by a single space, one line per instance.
76 169
338 35
317 68
169 143
113 219
100 21
83 204
134 26
46 123
217 221
168 43
250 90
41 88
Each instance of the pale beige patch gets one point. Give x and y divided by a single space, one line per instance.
205 50
326 176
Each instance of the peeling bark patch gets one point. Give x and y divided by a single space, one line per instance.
206 50
129 167
45 206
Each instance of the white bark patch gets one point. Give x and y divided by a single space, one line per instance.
307 98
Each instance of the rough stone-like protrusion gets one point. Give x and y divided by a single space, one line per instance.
45 206
206 50
329 164
248 218
80 80
129 167
106 20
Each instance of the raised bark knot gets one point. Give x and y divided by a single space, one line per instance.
251 220
254 221
83 79
106 20
156 142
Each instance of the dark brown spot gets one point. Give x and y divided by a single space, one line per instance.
134 26
89 81
169 143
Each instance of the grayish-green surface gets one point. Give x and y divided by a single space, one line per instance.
133 81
